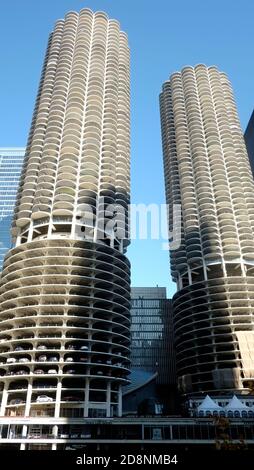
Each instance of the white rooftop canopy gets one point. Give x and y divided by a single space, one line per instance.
235 404
209 405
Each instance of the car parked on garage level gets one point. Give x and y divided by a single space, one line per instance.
39 371
42 358
24 359
44 399
11 360
69 359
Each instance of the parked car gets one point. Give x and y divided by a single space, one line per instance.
44 399
39 371
99 372
83 359
16 401
84 348
53 359
41 347
11 360
42 358
22 372
24 359
72 348
19 348
70 371
52 371
69 359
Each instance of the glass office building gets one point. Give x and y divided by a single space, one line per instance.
249 140
152 347
11 161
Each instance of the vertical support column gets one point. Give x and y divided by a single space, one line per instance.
243 268
205 270
120 402
58 399
55 430
86 402
50 227
18 239
180 282
55 433
189 276
30 232
24 435
108 411
224 268
4 400
28 399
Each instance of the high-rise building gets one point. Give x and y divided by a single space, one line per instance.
207 171
153 374
65 293
11 161
249 140
152 347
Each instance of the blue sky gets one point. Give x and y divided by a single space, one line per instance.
164 36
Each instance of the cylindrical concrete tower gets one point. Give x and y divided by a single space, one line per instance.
64 304
207 171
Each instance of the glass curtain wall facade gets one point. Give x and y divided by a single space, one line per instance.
11 161
65 285
207 172
152 347
249 141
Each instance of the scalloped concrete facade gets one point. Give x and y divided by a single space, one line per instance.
64 300
207 171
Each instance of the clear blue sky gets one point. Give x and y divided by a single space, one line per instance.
164 36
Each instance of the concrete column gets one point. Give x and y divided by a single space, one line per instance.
243 269
224 268
108 399
180 282
205 271
58 399
30 233
55 433
120 406
86 402
28 399
24 435
55 430
18 240
4 401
